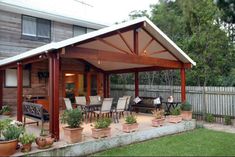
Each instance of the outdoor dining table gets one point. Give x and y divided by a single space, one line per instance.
170 105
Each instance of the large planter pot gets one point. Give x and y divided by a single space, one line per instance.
130 127
6 113
174 119
157 122
73 135
26 147
100 133
8 148
186 115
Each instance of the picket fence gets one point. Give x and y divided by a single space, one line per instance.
219 101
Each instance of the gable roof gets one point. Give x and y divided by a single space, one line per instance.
161 43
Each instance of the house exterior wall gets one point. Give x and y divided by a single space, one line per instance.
39 87
11 41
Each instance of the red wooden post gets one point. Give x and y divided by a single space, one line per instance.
19 91
183 84
108 85
88 88
54 95
104 85
1 89
136 84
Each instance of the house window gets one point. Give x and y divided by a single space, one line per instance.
36 28
78 30
11 78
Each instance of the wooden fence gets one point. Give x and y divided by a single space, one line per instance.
219 101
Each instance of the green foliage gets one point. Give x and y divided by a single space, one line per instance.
158 114
130 119
102 123
27 138
5 109
227 120
186 106
72 117
12 132
175 111
210 118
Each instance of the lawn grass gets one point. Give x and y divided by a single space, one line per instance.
199 142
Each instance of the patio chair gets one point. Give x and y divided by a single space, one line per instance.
105 107
120 108
68 104
127 107
80 100
95 100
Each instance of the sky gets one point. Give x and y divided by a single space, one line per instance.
102 11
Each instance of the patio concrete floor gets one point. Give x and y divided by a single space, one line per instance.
144 121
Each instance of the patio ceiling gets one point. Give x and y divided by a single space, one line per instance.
134 44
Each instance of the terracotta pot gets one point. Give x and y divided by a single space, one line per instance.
41 142
8 148
174 119
100 133
130 127
6 113
186 115
158 122
73 135
26 147
49 141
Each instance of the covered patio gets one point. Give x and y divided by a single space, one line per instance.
129 47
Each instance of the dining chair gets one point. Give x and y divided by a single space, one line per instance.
105 107
68 104
80 100
127 107
120 108
95 100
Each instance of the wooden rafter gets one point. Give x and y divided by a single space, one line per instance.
124 40
157 52
92 54
112 45
136 41
146 46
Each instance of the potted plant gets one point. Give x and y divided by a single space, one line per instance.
26 140
175 116
6 110
186 111
130 124
10 133
72 132
101 128
158 117
45 140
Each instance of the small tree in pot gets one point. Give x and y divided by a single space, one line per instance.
186 111
158 117
175 116
130 124
101 128
72 132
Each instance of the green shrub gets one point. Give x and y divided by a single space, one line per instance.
227 120
5 109
175 111
12 132
72 117
26 138
130 119
186 106
210 118
102 123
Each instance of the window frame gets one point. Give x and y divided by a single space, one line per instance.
35 38
84 28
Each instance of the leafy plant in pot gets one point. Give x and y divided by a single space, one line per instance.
158 117
45 140
10 133
186 111
175 116
26 140
101 128
6 110
72 132
130 124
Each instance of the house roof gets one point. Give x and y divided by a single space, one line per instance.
161 47
31 9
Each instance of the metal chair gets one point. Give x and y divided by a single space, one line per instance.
80 100
105 107
68 104
95 100
120 108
